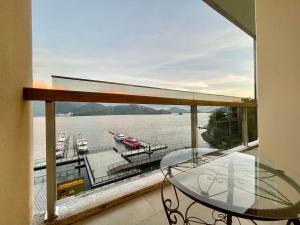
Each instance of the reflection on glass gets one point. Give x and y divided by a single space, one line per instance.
238 182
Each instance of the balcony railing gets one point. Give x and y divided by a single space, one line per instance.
125 94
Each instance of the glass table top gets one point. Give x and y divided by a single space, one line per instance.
239 183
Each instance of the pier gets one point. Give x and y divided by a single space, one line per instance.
137 161
145 147
111 164
103 165
147 150
98 164
70 155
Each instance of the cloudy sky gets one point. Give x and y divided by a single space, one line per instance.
178 44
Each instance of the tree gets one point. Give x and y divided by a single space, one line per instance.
224 129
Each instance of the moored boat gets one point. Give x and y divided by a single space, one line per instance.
60 149
119 137
132 142
62 137
82 145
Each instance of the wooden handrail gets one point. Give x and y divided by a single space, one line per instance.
37 94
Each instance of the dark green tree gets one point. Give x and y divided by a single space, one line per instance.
224 129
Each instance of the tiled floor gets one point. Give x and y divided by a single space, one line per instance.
148 210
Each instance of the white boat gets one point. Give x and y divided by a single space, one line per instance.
82 141
60 149
59 153
62 137
119 137
82 145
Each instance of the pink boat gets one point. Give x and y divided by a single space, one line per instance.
132 143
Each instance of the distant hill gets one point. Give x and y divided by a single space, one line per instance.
84 109
200 109
65 107
178 110
60 107
91 109
99 109
207 109
88 109
136 109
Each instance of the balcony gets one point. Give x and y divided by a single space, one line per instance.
145 208
274 25
116 175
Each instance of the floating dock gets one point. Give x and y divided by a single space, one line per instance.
98 162
146 148
103 165
137 161
97 165
70 155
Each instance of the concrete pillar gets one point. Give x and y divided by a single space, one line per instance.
278 70
15 114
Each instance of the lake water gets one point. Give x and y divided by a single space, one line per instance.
171 129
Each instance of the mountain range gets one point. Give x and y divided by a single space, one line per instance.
88 109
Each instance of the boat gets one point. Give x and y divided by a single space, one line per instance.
132 142
82 145
62 137
119 137
60 149
59 153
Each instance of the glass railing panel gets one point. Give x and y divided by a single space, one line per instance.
252 124
75 84
159 129
213 97
105 159
224 126
203 118
94 152
39 156
116 88
235 127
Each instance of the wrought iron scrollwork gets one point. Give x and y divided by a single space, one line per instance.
175 216
219 217
171 207
295 222
219 175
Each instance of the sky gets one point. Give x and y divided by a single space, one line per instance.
175 44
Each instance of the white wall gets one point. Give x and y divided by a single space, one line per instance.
278 70
15 114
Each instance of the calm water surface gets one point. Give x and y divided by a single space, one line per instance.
172 129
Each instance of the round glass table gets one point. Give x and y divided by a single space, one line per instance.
235 185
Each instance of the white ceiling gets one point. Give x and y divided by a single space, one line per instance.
239 12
